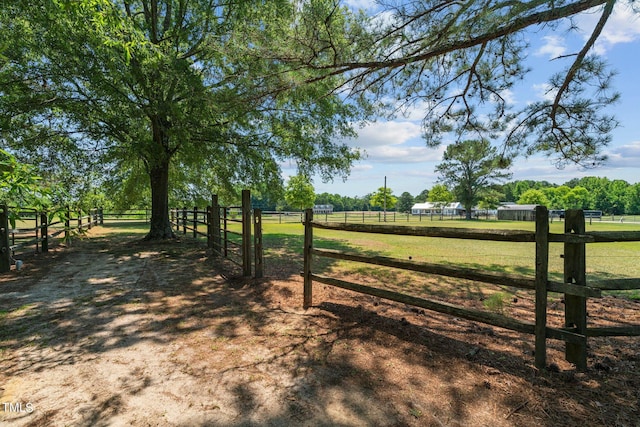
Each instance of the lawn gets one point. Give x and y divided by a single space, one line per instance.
161 333
604 260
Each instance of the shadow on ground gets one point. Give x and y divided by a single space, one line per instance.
143 333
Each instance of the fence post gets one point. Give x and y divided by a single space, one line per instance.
177 213
257 243
90 219
246 233
209 221
5 250
67 225
215 224
184 220
226 235
36 221
195 222
101 215
308 253
79 220
542 272
575 307
44 221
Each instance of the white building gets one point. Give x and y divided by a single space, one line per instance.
428 208
323 209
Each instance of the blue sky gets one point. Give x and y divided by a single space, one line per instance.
396 150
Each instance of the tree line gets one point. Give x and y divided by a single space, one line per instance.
613 197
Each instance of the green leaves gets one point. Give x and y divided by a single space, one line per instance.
19 184
470 167
383 198
299 193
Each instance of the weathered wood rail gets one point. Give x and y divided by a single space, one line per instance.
38 229
574 285
222 236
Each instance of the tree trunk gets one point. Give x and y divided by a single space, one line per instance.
160 224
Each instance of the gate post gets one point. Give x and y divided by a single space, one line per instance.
257 243
36 220
5 250
67 225
184 220
246 233
308 248
44 222
195 222
215 225
542 273
209 220
575 308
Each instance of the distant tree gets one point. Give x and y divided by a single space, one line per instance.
533 197
440 193
422 197
470 167
616 192
405 202
490 199
299 193
632 199
440 196
384 199
576 198
559 197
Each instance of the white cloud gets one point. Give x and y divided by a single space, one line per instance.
624 156
386 133
543 90
361 4
403 154
622 27
361 167
554 47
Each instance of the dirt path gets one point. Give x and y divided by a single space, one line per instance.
136 334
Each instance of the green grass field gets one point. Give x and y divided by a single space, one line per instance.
604 260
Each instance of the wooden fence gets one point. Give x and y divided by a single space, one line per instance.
364 217
37 229
217 225
574 285
127 215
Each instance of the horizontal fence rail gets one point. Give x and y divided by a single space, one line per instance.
574 285
127 215
22 228
365 217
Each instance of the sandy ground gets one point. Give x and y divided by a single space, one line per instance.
127 333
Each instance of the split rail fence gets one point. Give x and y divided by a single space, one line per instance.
574 285
38 229
227 230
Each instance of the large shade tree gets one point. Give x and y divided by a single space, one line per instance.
172 88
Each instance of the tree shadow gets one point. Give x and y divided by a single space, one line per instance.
251 356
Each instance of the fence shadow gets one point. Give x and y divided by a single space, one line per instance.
243 352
